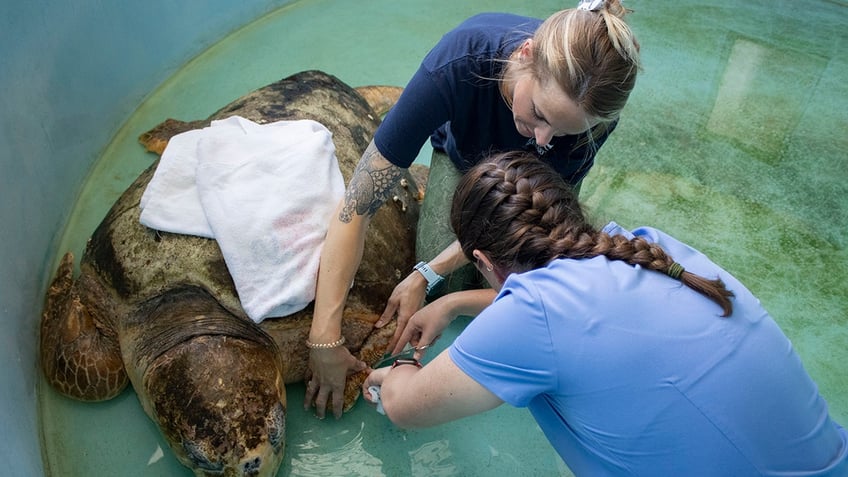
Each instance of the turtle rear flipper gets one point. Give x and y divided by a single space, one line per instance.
79 356
380 98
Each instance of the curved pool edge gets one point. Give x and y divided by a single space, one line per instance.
72 75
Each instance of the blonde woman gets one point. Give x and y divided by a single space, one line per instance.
497 82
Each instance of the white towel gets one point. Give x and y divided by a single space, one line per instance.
267 193
171 201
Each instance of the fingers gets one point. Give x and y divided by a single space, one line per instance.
424 345
426 342
311 390
326 391
396 344
388 314
405 299
338 403
319 396
371 389
409 334
338 392
366 385
375 378
407 329
321 403
366 394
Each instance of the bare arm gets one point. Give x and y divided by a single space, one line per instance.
448 260
369 187
439 392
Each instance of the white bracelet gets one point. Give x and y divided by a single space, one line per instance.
334 344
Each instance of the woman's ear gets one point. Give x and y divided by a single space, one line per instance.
483 260
494 276
526 53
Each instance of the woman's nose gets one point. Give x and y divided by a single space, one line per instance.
543 134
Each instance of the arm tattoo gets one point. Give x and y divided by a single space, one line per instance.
369 187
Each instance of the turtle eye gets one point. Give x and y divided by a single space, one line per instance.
199 459
277 427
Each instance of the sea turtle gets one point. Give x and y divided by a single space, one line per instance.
160 309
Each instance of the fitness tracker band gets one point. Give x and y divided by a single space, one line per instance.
432 277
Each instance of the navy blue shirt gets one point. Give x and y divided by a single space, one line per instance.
454 99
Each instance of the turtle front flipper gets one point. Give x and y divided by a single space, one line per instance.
372 351
79 356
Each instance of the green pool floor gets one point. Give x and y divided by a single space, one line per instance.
734 141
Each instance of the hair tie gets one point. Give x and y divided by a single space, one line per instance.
675 270
590 5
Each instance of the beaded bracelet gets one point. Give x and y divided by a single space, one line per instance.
334 344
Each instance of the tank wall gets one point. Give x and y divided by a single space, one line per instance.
70 74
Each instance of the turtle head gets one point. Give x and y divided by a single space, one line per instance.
220 402
262 460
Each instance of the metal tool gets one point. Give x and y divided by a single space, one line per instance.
408 352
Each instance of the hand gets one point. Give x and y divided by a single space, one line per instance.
374 379
425 326
406 299
329 369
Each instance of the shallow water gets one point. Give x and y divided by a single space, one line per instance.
734 141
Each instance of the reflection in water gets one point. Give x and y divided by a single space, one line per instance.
753 105
432 459
737 84
332 456
511 458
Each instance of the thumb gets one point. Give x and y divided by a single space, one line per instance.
426 342
360 366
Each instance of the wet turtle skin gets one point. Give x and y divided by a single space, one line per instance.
160 311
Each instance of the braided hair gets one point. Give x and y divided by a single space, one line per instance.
523 215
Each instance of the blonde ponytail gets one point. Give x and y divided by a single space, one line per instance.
592 55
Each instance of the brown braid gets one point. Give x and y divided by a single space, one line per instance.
524 215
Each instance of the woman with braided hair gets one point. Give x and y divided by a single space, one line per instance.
635 353
496 82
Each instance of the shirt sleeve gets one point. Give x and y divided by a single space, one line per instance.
507 348
420 110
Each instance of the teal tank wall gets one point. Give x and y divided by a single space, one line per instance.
70 75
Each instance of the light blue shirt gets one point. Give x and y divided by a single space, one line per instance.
630 372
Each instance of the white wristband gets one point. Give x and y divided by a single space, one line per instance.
432 277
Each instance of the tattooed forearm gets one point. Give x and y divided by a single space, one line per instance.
370 185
